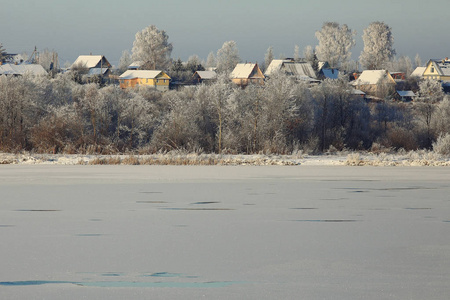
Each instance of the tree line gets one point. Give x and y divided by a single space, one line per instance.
58 115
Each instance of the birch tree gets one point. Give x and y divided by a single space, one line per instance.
268 57
378 46
335 42
227 57
151 46
211 61
125 61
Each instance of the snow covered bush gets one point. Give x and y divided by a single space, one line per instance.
442 144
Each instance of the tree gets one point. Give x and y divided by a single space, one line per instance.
296 53
268 57
151 46
125 61
211 61
335 42
418 60
378 46
227 57
2 53
430 93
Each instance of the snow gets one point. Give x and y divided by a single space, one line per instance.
224 232
413 158
11 69
88 61
149 74
371 77
418 71
243 70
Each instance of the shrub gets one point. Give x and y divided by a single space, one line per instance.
442 144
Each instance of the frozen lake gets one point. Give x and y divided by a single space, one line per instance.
217 232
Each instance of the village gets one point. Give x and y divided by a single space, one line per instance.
371 85
150 102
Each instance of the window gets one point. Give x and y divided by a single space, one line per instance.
432 69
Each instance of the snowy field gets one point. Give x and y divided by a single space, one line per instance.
224 232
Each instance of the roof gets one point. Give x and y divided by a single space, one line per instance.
97 71
406 93
372 77
298 69
356 92
135 65
12 69
148 74
207 74
418 71
330 73
245 71
89 61
442 66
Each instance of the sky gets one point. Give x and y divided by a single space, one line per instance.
199 27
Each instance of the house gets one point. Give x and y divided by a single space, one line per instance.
92 66
405 96
398 75
135 65
91 62
18 70
204 76
377 83
300 70
244 74
326 72
437 69
154 78
418 72
357 94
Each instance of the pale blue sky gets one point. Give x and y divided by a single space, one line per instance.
198 27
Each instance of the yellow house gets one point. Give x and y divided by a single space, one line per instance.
437 69
154 78
243 74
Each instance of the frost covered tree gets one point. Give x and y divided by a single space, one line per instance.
125 61
268 57
211 60
2 53
296 53
227 57
378 46
335 42
47 59
151 46
418 60
430 93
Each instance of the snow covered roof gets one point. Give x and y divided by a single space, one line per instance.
330 73
148 74
207 74
406 93
135 65
372 77
97 71
298 69
418 71
442 66
246 70
90 61
356 92
12 69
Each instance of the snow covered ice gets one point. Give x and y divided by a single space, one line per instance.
224 232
